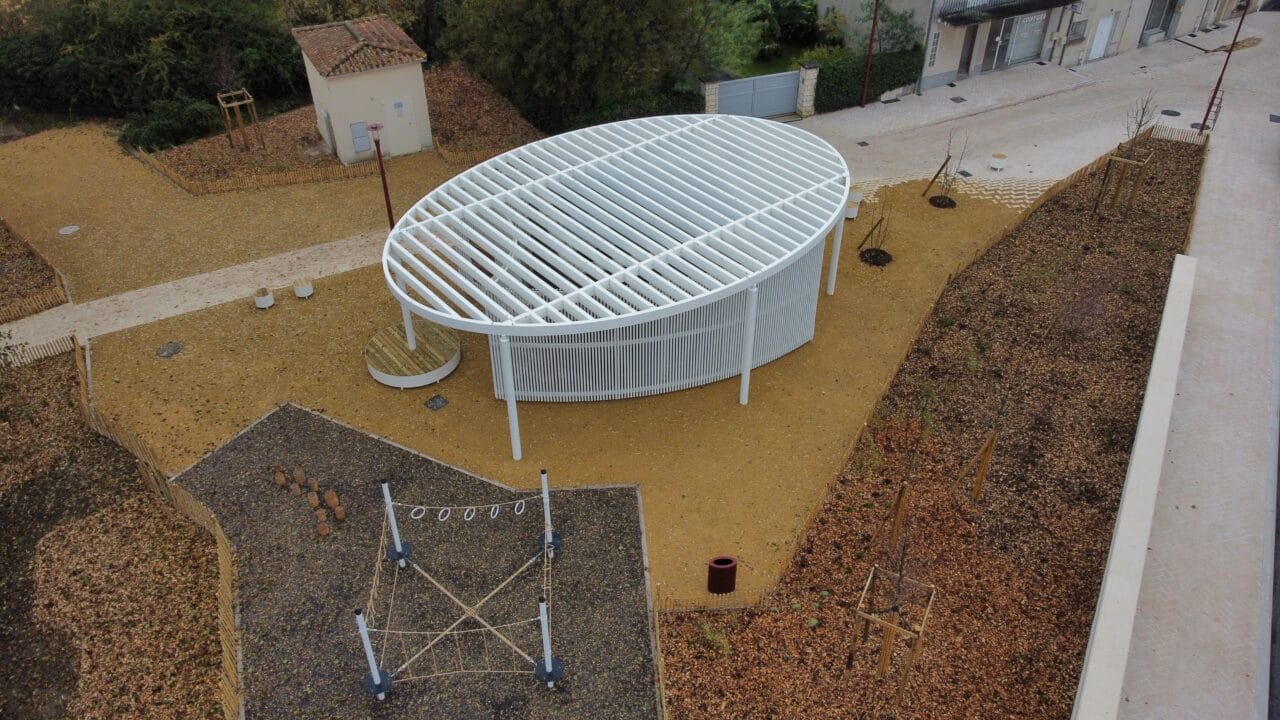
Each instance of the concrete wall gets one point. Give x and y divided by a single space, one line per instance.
1098 695
395 97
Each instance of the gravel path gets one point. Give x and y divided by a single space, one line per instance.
302 656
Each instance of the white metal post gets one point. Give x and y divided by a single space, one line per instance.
748 342
368 653
835 256
410 337
545 622
548 537
391 520
509 391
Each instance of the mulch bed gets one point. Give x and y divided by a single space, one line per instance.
297 590
69 652
292 143
1047 337
467 114
24 271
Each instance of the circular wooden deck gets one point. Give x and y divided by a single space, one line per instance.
391 362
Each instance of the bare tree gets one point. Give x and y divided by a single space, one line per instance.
1142 115
951 172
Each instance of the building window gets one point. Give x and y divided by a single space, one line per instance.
933 47
1076 32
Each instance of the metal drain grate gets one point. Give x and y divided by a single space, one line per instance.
168 350
890 100
436 402
1275 118
957 99
1170 113
964 173
864 143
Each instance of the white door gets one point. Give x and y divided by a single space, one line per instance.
1102 36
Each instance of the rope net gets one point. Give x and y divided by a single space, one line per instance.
441 616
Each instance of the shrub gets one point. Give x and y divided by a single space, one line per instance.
671 103
797 20
170 122
840 80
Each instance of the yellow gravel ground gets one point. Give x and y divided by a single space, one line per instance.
138 229
716 477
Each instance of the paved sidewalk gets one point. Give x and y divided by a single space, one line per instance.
147 305
1202 635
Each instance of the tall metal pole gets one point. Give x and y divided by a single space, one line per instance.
377 681
375 129
398 551
550 540
1218 85
551 668
871 41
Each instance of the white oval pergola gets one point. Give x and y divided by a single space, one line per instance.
628 259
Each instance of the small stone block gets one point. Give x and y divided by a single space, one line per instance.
281 480
321 515
313 500
299 476
331 499
295 489
339 513
323 528
312 485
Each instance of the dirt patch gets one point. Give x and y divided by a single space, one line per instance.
23 270
302 656
467 114
1048 337
133 587
137 229
292 143
726 478
53 471
1244 44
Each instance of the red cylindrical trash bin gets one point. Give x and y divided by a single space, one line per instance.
722 574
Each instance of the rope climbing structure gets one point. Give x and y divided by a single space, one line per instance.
423 626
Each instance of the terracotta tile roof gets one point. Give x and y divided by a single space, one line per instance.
352 46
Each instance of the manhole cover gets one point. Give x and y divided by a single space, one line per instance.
864 143
69 230
964 173
1275 118
1170 113
876 257
169 349
957 99
1195 126
436 402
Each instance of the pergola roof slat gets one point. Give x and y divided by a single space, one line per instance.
612 225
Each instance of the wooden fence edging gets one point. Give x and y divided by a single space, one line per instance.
257 182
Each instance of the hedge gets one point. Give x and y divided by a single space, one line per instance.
840 80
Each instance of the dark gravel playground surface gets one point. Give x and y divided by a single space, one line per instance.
297 590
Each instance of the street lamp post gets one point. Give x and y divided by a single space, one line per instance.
375 129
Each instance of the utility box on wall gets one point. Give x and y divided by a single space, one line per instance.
361 72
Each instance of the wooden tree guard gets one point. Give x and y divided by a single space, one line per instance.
871 232
233 101
891 622
1122 179
899 515
933 180
982 461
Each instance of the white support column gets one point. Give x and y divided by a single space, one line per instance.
835 256
509 392
411 338
399 550
748 342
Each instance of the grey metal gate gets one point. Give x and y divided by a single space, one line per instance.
761 96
